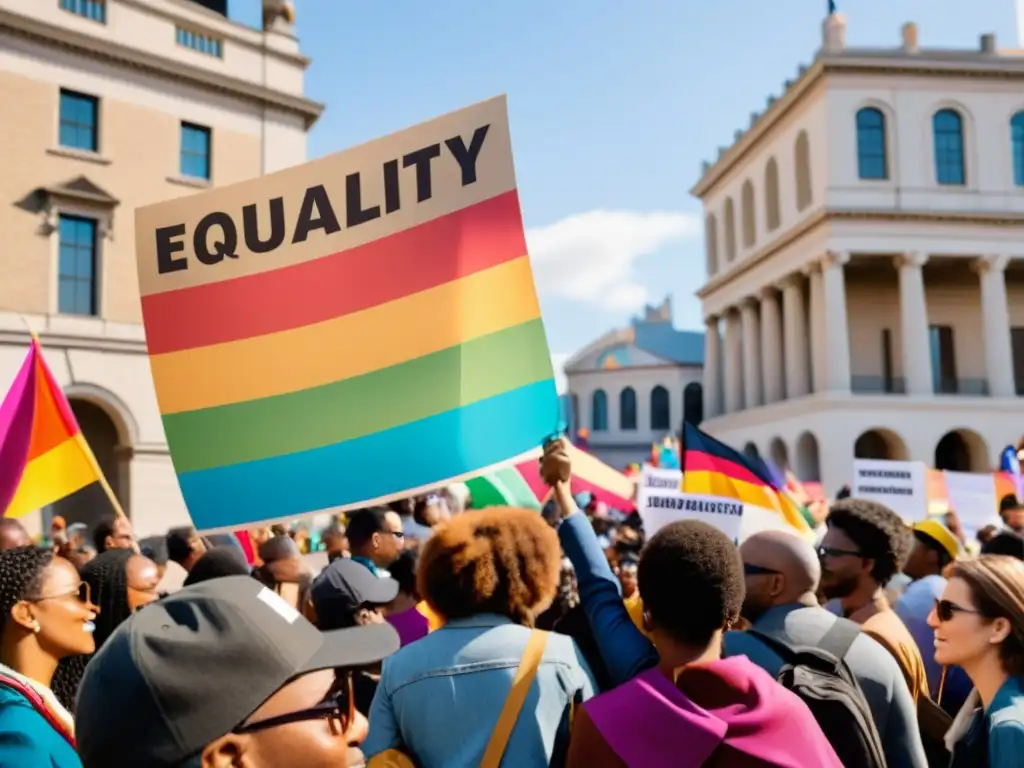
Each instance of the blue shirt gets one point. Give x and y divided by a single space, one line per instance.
367 562
1006 725
439 698
27 740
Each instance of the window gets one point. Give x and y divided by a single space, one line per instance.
888 380
195 151
871 161
940 340
771 195
711 243
748 212
660 417
199 41
627 409
90 9
948 130
729 225
599 411
78 121
76 280
693 404
1017 344
1017 140
802 156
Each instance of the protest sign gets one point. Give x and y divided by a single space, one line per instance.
973 497
656 480
350 330
662 508
899 485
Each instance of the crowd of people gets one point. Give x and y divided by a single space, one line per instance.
435 635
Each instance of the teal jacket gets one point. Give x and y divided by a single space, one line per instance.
27 740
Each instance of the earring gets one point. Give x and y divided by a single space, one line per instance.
36 628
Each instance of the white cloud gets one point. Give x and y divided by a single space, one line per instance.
591 256
558 363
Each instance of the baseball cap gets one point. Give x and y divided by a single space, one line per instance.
345 585
193 666
942 536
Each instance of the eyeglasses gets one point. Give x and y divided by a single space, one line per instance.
824 552
338 706
82 592
750 569
946 610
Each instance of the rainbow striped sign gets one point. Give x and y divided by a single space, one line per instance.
350 330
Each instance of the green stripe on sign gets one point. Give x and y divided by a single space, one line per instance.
362 405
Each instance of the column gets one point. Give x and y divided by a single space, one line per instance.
816 310
995 317
795 334
917 360
712 368
771 347
837 334
751 353
733 368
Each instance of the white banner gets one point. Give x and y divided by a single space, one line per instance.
973 498
900 485
669 506
658 480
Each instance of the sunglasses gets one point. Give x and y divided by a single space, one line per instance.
757 570
338 706
81 592
824 552
946 610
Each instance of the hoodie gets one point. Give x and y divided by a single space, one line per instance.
725 714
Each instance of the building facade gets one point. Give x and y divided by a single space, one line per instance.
108 105
632 386
865 291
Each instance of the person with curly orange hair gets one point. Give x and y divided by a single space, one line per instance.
487 574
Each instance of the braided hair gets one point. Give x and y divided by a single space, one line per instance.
21 574
107 577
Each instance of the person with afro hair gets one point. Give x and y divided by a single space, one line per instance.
692 586
487 574
866 544
120 582
46 615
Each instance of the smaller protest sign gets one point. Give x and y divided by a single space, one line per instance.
664 506
899 485
973 497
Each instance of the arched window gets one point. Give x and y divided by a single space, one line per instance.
693 404
948 135
711 243
660 412
773 216
729 224
802 163
599 411
627 409
749 221
1017 140
871 160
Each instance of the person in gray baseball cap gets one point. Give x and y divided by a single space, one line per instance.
223 674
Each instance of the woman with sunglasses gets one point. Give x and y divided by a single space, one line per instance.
121 582
46 615
979 626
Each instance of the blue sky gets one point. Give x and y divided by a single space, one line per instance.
613 103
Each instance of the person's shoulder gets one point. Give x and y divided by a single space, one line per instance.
26 738
1006 732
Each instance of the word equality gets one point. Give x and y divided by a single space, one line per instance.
216 235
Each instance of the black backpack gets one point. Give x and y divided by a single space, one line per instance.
824 682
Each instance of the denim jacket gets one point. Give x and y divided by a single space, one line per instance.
439 698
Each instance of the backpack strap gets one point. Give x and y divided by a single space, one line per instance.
839 638
521 684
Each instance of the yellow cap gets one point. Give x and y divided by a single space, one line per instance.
936 530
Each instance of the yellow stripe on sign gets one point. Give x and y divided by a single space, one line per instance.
48 478
347 346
